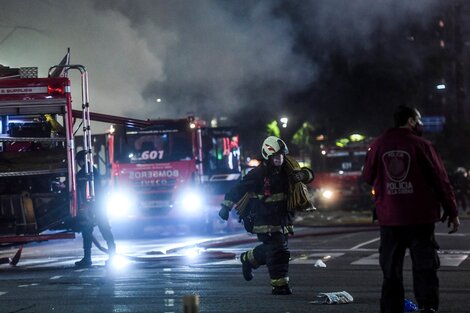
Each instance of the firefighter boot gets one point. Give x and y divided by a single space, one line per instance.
83 263
247 268
86 261
282 290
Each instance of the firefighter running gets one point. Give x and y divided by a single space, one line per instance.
266 200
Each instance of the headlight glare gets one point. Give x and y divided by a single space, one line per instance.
191 201
119 205
327 194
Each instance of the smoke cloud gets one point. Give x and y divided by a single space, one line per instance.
213 58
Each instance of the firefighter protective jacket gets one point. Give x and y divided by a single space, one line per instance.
269 189
409 179
81 187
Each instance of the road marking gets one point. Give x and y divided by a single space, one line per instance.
378 238
452 259
454 251
3 292
452 235
372 259
80 270
28 285
55 277
365 243
446 259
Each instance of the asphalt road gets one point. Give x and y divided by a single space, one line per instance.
160 272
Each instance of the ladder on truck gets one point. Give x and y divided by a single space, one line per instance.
86 124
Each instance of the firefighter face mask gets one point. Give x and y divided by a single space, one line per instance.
418 127
277 159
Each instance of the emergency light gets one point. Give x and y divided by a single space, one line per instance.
55 90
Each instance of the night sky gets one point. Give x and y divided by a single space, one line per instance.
342 65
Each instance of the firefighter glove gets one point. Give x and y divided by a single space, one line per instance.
224 212
299 176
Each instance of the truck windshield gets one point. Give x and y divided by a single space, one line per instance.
221 153
346 161
153 147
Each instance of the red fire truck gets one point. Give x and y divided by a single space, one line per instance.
37 168
337 183
167 172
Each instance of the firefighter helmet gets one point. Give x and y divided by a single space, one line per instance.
80 156
273 145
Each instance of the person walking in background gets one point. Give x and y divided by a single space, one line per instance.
411 185
265 202
461 183
91 213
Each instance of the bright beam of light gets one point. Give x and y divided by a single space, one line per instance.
118 262
192 253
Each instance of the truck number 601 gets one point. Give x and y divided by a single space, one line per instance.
152 155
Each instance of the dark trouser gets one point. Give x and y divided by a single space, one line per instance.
87 234
462 200
274 253
105 229
419 239
87 226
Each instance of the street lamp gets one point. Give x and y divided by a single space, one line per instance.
284 121
441 85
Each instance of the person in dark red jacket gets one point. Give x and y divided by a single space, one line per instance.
411 185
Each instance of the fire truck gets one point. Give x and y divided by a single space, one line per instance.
337 183
37 169
166 172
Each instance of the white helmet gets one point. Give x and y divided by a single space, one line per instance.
273 145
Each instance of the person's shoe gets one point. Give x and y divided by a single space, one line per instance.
282 290
83 263
246 267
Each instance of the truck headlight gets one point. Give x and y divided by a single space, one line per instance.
191 202
327 194
119 204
